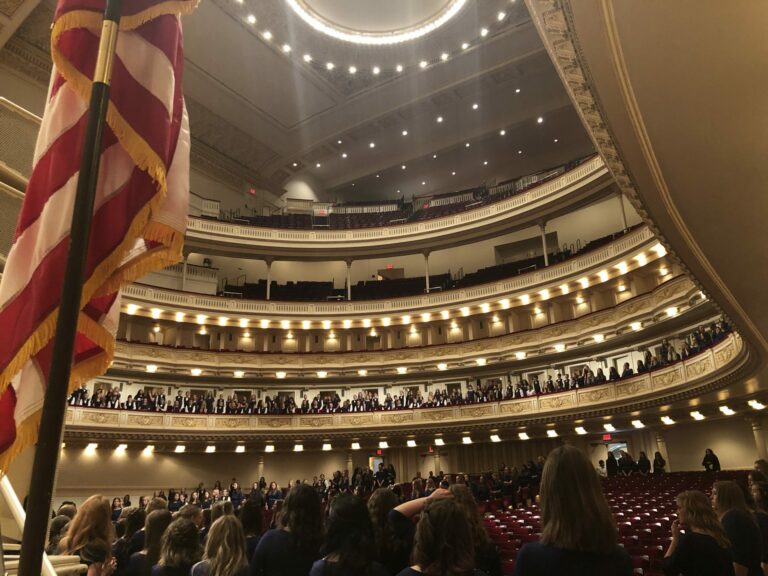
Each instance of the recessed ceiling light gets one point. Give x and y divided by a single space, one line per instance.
500 16
423 64
399 192
439 442
485 163
338 142
453 173
540 120
502 132
439 119
378 175
251 19
295 164
434 156
517 90
376 70
330 65
267 35
466 145
475 106
403 168
423 183
353 69
318 165
371 144
307 57
405 132
286 48
399 68
519 151
343 154
580 430
556 140
353 184
464 45
444 56
483 32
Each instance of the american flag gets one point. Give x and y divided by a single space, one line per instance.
140 210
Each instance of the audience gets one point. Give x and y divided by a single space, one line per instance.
578 536
486 555
225 552
700 546
291 549
90 536
180 549
741 527
141 562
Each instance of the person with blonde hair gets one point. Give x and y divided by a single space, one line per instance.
700 546
486 554
90 535
740 525
578 536
224 550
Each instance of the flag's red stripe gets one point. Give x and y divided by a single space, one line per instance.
128 9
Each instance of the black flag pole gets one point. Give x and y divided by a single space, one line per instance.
54 405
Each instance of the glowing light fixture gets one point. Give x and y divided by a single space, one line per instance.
671 311
580 430
240 449
196 371
609 427
151 368
504 304
179 316
442 366
696 415
180 448
148 449
298 447
439 442
660 250
756 405
523 436
480 361
551 433
280 375
383 445
638 424
584 282
410 443
520 355
727 411
131 309
495 438
525 299
466 439
269 448
327 447
465 311
239 373
559 347
156 312
667 420
355 446
322 374
564 289
402 370
598 338
362 372
210 449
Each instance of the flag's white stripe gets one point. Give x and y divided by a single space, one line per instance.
63 111
52 226
174 210
149 66
30 391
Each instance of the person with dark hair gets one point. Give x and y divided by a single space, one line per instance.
486 554
391 550
67 508
443 544
578 536
180 549
350 547
273 494
702 547
643 464
291 549
55 533
141 562
611 465
758 497
90 535
133 521
250 518
711 462
137 541
117 508
224 550
741 527
659 464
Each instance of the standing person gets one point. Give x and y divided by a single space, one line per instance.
224 550
659 464
180 549
578 536
703 549
711 462
740 526
292 548
611 465
349 548
391 550
90 535
643 464
486 554
141 562
250 518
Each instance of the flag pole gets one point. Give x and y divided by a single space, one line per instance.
54 405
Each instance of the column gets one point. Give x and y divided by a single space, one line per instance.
436 464
426 271
269 277
543 228
260 466
128 326
178 334
222 340
350 467
349 280
430 337
620 196
184 273
661 446
757 430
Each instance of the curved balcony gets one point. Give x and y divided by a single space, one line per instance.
552 277
588 332
549 200
701 373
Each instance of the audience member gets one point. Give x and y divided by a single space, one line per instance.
180 549
611 465
391 551
643 464
90 536
486 554
711 462
659 464
740 526
578 537
137 541
291 549
224 550
141 562
250 518
700 546
56 531
133 521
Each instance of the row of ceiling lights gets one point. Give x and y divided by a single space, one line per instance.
407 319
376 70
438 441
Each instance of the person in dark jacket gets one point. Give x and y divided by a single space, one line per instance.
659 464
611 465
643 464
741 527
711 462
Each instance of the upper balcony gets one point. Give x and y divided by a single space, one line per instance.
573 189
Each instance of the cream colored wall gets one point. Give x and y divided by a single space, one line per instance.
22 91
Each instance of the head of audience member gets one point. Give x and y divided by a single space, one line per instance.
155 526
302 516
193 513
134 521
221 508
462 495
157 504
250 517
381 502
67 508
56 532
349 535
181 545
695 513
755 476
574 512
90 533
443 542
272 486
727 495
225 547
117 503
759 491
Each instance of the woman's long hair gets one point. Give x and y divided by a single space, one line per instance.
250 517
700 516
381 502
349 536
443 544
574 512
462 495
729 496
181 544
302 516
225 547
92 526
155 526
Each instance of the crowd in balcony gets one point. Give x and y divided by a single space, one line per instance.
491 390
